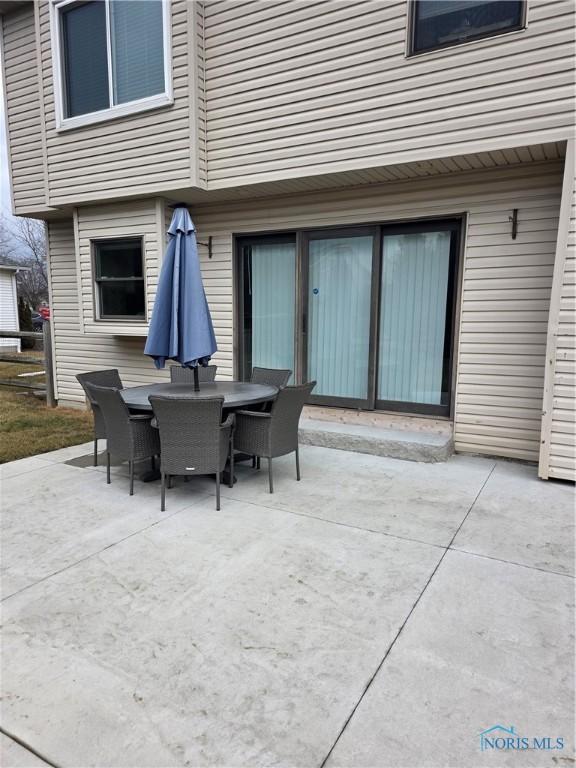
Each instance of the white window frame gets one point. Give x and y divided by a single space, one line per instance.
119 110
96 294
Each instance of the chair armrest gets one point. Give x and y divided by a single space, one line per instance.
229 421
255 414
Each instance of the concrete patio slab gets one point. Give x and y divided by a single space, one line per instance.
489 643
521 519
423 502
238 638
58 514
21 466
62 454
12 755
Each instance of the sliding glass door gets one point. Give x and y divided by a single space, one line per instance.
415 323
366 312
268 303
338 304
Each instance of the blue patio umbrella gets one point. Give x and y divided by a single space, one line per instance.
181 327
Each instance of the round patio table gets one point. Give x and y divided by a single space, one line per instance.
236 394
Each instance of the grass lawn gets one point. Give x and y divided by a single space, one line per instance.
28 427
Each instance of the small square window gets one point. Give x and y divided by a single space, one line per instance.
442 23
119 278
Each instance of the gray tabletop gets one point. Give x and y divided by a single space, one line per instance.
236 394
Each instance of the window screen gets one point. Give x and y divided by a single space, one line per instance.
85 58
129 33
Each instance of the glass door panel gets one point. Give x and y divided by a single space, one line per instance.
415 309
269 278
338 303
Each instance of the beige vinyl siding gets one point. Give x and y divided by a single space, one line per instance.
74 350
505 283
558 451
24 121
296 89
136 219
504 304
143 153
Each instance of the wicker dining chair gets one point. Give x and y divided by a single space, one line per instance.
277 377
180 375
129 437
106 378
268 435
193 439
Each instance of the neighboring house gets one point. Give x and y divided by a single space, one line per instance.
386 187
9 307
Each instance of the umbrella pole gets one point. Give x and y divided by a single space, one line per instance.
196 382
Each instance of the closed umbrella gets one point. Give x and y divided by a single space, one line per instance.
181 327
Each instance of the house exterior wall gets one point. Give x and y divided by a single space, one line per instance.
558 447
504 298
141 218
269 92
149 152
23 111
309 88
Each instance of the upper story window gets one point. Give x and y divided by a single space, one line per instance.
112 58
442 23
119 278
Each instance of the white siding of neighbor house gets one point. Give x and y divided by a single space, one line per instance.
8 309
558 450
300 88
505 289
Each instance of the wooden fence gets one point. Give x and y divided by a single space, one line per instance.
45 360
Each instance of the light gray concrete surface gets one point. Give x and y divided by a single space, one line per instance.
13 755
405 444
333 618
490 643
522 519
425 502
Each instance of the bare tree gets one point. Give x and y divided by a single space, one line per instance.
23 243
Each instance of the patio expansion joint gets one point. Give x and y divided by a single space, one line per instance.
406 620
342 525
99 551
512 562
27 747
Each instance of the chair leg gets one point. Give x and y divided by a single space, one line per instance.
108 467
257 462
169 481
163 492
253 462
217 491
95 451
131 467
270 476
153 463
297 463
231 467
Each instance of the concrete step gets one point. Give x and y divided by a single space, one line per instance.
379 441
